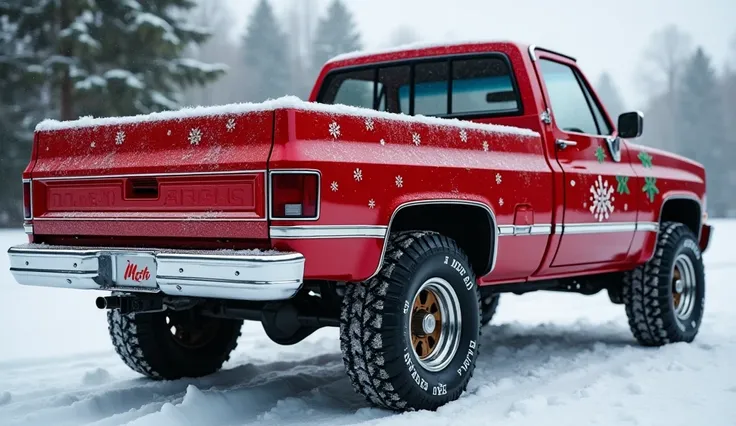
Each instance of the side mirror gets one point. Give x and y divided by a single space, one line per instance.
630 124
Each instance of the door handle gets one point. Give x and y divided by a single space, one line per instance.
562 144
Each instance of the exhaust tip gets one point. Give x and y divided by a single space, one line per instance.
101 303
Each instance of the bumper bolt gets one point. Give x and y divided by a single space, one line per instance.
181 270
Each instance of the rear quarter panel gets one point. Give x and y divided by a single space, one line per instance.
371 165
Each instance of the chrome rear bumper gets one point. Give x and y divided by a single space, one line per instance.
232 274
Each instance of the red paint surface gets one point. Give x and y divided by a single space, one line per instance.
375 168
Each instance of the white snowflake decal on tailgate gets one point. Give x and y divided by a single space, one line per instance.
463 135
230 125
399 181
334 130
485 146
601 199
369 124
498 178
195 136
371 203
500 201
358 175
93 144
120 138
333 186
416 139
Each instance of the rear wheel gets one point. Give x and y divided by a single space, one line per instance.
665 297
409 336
173 344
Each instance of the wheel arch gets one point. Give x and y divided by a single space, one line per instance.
431 213
683 208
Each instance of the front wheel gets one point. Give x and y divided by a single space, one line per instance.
409 336
665 297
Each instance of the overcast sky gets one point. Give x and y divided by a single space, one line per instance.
603 35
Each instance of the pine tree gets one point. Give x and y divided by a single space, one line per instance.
109 57
700 130
266 54
609 95
336 34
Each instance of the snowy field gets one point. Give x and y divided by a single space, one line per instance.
550 359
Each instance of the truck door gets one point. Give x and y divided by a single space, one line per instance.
599 216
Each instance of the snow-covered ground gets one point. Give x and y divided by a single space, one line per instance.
550 359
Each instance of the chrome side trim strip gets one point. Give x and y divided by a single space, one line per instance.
231 274
223 172
606 227
521 230
328 231
598 228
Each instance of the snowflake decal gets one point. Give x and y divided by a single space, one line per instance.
399 181
498 178
93 144
600 154
195 136
230 125
371 203
601 199
416 139
168 133
463 135
120 138
382 142
500 201
572 182
369 124
358 175
650 187
626 207
485 146
333 186
334 130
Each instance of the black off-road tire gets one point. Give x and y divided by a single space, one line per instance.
146 345
488 306
375 337
647 291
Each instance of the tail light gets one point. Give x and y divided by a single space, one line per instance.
294 195
27 213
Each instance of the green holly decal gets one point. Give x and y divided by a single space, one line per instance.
600 154
623 185
650 187
646 159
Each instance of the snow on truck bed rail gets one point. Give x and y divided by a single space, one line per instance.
287 102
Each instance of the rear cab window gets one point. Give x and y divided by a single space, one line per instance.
457 86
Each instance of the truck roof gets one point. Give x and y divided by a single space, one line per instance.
422 49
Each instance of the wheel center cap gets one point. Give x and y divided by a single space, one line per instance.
428 324
679 286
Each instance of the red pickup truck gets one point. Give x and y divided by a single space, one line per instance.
413 188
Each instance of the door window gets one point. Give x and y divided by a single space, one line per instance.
569 105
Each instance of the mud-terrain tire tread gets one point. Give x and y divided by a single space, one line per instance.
141 348
361 324
488 310
646 291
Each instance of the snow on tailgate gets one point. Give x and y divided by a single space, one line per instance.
287 102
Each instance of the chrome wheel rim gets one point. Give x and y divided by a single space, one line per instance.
435 324
683 287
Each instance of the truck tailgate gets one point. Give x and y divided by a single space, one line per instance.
199 177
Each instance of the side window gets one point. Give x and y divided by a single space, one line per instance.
603 126
391 78
482 86
430 88
569 104
350 88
